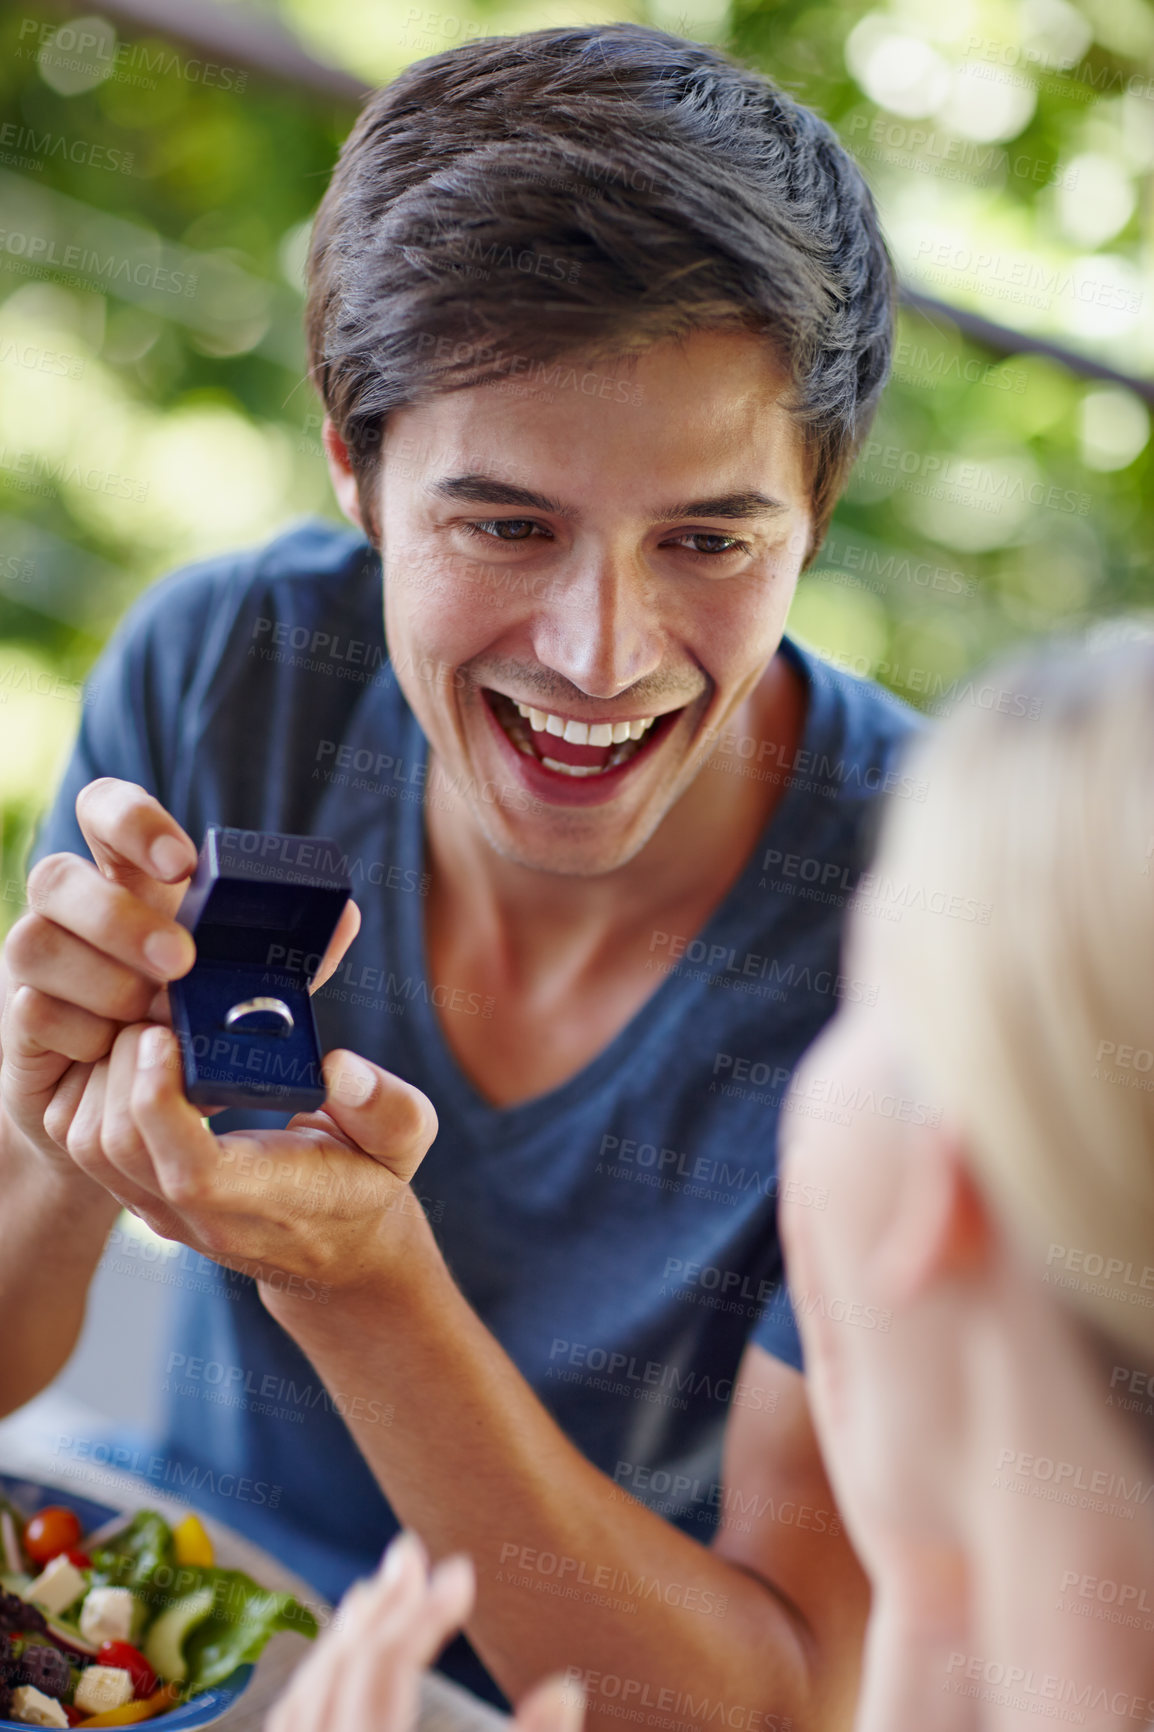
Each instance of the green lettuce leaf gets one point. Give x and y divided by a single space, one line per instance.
132 1557
243 1618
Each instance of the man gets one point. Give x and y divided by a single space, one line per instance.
599 320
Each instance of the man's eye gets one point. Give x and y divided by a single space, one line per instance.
719 543
505 528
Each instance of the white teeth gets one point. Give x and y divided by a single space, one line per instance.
584 733
571 769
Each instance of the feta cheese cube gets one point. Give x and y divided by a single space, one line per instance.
57 1585
101 1688
35 1708
108 1615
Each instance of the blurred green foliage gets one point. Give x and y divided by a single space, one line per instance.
143 422
1010 148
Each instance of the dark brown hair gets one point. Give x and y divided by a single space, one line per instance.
625 187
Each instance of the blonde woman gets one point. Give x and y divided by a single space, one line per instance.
970 1233
977 1296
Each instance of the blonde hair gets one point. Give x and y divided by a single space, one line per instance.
1031 999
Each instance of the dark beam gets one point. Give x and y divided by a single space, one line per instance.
235 36
1002 340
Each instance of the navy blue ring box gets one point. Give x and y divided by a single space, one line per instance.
262 908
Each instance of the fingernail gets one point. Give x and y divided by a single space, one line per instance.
397 1555
170 858
560 1701
354 1598
167 953
354 1081
154 1049
453 1574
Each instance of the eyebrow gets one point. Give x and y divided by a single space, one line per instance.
477 489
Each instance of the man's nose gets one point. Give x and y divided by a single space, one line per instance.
601 630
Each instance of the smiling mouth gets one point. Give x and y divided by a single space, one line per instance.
572 748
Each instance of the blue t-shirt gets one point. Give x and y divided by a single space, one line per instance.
617 1235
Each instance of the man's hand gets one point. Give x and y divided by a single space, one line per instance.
364 1673
326 1200
86 965
95 952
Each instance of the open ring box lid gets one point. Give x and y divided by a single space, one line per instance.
262 908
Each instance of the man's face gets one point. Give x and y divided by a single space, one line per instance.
583 584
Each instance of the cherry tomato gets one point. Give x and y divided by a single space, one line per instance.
51 1531
81 1559
123 1654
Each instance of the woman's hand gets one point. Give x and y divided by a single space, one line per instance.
364 1675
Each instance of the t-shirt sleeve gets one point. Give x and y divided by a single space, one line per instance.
776 1329
112 741
130 715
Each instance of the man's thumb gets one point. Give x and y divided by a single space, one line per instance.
383 1115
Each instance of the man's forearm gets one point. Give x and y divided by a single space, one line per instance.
55 1223
571 1571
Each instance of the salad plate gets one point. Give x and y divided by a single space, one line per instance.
196 1628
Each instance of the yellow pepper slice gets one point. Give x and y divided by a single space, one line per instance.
193 1545
133 1712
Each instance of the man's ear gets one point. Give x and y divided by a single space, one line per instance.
938 1225
341 473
